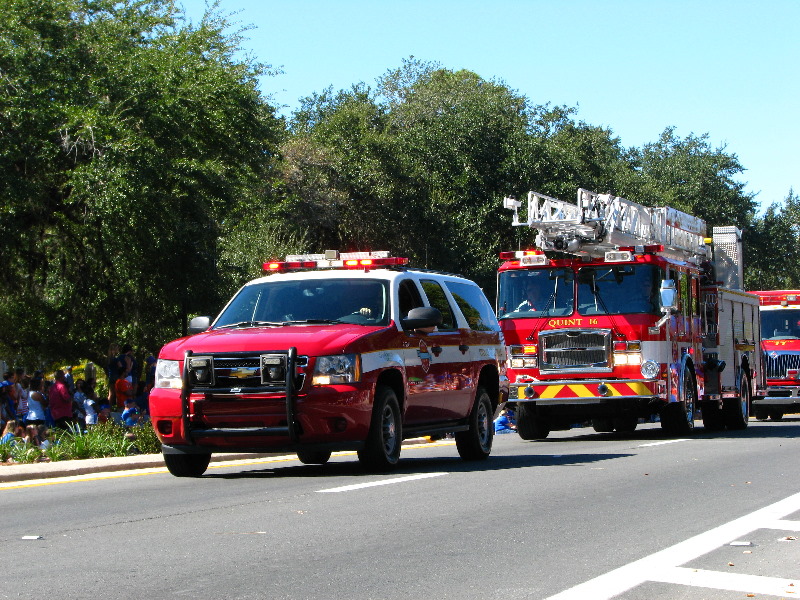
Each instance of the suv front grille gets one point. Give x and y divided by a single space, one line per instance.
575 349
244 372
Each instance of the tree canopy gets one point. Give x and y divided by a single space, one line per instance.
145 175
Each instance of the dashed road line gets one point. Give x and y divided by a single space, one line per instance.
361 486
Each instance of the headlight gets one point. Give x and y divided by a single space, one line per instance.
168 374
340 368
650 369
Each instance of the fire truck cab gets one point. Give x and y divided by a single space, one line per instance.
333 352
780 343
615 317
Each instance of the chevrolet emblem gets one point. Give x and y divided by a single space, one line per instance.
243 372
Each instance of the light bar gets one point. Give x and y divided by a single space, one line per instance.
528 258
346 261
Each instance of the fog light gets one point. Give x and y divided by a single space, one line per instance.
603 390
529 392
164 427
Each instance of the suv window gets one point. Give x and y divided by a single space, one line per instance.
408 297
438 299
474 306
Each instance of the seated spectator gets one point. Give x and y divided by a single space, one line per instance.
131 415
9 433
104 416
44 438
503 423
31 435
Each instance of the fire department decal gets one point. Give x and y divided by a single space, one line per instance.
424 356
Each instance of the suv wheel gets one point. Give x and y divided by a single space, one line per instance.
476 442
187 465
381 450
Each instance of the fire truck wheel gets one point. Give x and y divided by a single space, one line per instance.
187 465
761 414
737 410
603 425
530 427
381 450
775 415
313 457
625 424
677 418
713 418
476 442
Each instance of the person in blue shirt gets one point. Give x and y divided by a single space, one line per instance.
504 423
130 416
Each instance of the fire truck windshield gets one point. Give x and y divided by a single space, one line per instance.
618 289
536 293
780 324
278 303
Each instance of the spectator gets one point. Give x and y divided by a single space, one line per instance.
22 401
44 438
105 414
60 402
31 435
124 386
9 432
37 403
503 423
88 404
130 416
112 372
8 408
69 380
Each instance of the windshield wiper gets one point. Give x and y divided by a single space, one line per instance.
312 321
251 324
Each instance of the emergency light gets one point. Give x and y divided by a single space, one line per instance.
332 259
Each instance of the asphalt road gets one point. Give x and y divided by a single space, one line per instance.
581 515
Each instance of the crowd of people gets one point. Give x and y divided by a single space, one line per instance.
31 405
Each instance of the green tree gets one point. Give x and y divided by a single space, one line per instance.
128 135
772 248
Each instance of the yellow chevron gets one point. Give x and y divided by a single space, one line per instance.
581 391
551 391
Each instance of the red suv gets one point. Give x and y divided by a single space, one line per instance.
359 354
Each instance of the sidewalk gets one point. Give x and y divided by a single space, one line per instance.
68 468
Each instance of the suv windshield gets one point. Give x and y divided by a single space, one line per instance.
360 301
535 293
618 289
780 324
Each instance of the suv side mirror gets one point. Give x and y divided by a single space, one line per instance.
669 296
199 324
423 316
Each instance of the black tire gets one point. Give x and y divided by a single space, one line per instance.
677 418
187 465
776 415
713 418
625 424
476 442
381 450
737 410
313 457
605 425
529 426
761 414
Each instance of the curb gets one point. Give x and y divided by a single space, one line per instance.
69 468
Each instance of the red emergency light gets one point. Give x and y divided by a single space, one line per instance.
343 261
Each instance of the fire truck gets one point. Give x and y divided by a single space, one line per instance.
780 343
622 312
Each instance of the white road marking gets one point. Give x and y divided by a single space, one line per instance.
662 443
359 486
664 564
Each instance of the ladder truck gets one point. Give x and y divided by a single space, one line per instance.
618 315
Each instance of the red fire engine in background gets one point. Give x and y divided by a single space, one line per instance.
617 315
780 343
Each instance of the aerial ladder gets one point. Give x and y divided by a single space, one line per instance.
599 223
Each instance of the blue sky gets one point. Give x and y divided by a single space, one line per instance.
726 68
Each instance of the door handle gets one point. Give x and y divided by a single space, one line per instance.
437 350
463 348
